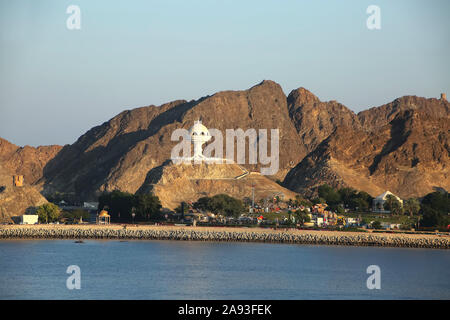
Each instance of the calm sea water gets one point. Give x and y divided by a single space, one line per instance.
207 270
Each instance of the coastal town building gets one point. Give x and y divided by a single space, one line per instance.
378 202
103 217
28 219
390 226
90 205
351 221
319 221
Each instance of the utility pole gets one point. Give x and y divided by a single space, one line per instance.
182 210
253 197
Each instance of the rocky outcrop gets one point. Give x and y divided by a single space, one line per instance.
15 201
316 120
174 183
375 118
27 161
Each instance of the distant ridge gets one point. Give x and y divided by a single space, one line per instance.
402 146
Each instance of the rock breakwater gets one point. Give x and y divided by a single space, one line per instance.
227 235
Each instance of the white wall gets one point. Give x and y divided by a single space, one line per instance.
29 219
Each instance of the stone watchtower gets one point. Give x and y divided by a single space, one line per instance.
18 181
444 96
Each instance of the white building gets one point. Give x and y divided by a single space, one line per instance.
29 219
318 221
387 225
90 205
378 202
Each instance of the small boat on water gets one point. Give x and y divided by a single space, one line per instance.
79 241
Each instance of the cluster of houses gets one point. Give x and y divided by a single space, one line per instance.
320 217
318 214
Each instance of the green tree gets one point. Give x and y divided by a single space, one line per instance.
431 217
354 200
347 195
221 204
277 199
364 195
290 202
302 216
411 206
148 206
340 210
48 212
75 215
376 225
331 196
227 205
185 208
318 200
439 201
299 201
393 205
359 204
202 204
435 207
118 203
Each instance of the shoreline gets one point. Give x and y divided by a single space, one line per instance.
223 234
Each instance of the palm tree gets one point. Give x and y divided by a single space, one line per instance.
393 205
412 206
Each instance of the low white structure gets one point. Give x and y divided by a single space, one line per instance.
29 219
319 221
387 225
378 202
90 205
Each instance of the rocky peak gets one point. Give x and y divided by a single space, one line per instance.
301 96
316 120
377 117
27 161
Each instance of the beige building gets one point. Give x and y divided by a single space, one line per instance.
29 219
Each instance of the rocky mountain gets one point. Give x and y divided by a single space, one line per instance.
174 183
15 201
27 161
316 120
377 117
121 152
402 146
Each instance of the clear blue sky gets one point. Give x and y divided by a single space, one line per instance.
55 84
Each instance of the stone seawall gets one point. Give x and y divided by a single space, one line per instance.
225 234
